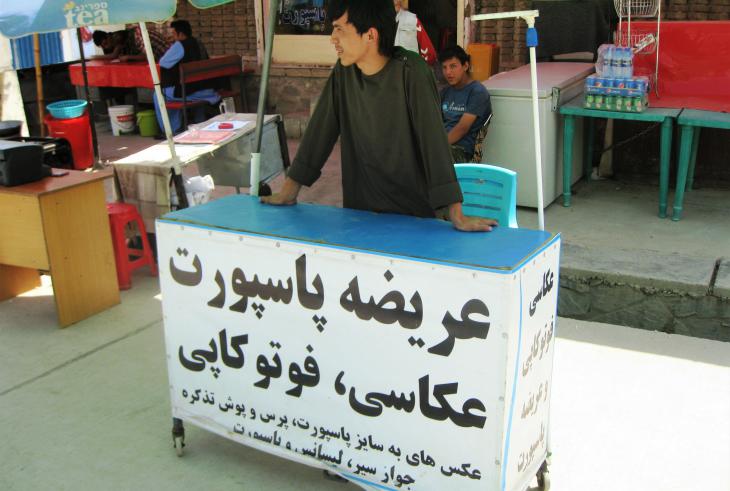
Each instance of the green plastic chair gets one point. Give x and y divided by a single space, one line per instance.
489 192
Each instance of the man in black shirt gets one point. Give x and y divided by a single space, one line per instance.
383 104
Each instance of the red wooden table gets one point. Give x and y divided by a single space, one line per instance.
105 73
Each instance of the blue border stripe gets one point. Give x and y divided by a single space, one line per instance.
512 402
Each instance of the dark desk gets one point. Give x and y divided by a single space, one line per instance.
574 108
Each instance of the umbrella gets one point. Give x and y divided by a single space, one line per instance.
33 16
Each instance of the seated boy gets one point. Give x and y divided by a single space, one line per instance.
465 104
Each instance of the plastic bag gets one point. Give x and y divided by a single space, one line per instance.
198 190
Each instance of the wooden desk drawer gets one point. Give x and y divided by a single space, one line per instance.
22 241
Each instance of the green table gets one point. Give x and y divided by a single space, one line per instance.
574 108
690 121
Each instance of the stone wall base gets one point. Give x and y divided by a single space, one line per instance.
600 300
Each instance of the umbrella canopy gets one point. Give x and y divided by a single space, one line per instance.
22 17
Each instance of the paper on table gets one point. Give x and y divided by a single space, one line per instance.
237 125
203 136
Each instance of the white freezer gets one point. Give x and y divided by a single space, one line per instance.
510 141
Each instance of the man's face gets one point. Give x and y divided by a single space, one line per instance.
168 32
454 71
176 36
351 46
397 4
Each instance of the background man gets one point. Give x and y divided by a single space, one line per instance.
185 48
383 104
465 103
411 34
128 44
115 44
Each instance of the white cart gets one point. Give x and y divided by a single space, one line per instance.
391 350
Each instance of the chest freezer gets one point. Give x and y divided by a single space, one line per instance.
510 142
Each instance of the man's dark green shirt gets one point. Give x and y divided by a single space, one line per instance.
395 153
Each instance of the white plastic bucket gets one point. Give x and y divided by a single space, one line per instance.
122 119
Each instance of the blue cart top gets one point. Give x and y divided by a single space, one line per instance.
423 239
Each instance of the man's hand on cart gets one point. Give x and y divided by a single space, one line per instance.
466 223
287 195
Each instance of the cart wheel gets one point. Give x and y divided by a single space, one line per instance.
264 189
178 436
179 444
334 477
543 477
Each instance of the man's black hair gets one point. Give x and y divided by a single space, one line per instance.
99 37
364 14
182 26
454 51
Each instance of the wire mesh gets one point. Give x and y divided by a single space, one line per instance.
641 41
636 8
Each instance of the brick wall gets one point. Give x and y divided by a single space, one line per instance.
510 33
697 10
230 28
293 92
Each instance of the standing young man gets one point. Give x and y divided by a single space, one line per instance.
465 103
383 104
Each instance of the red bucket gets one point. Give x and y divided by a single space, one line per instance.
78 133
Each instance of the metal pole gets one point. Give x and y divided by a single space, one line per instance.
529 17
38 81
94 140
158 94
263 89
536 120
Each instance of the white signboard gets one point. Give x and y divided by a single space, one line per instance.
526 444
395 373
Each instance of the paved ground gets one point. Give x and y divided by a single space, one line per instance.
87 408
606 215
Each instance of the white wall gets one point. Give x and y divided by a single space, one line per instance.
11 101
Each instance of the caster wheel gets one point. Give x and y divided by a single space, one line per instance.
179 444
333 477
543 481
543 477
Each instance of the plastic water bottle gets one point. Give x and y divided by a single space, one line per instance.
624 61
606 68
620 60
615 63
629 66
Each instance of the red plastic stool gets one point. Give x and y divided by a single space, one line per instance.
121 215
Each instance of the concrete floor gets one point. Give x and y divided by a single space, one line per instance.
87 407
605 215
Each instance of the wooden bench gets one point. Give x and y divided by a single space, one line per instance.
228 66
